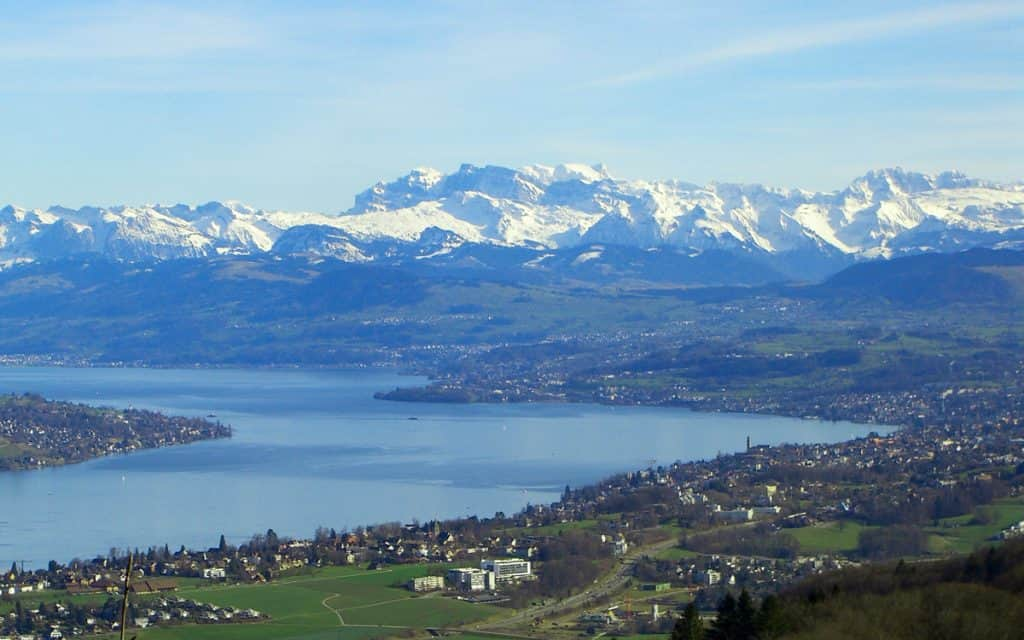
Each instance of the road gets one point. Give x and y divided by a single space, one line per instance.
602 588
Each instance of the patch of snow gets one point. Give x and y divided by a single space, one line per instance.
587 256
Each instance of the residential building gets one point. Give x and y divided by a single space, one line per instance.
708 577
426 583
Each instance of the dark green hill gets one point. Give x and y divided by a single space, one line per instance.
976 276
288 310
978 596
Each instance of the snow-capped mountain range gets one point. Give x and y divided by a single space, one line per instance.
426 215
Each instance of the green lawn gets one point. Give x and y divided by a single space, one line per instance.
828 537
552 529
958 535
34 598
675 554
262 632
307 607
953 535
481 636
418 612
642 600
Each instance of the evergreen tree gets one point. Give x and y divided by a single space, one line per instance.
690 626
724 626
771 622
222 546
736 620
746 624
22 619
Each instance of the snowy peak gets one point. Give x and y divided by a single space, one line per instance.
497 182
406 191
546 175
435 239
881 184
525 185
427 214
319 240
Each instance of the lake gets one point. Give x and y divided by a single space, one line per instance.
313 447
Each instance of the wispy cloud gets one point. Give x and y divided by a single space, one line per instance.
129 31
989 83
815 36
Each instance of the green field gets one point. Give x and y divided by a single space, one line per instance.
482 636
952 535
959 535
49 597
330 603
10 450
829 537
553 529
675 554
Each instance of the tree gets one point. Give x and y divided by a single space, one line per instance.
223 545
690 626
746 624
771 622
724 625
22 619
736 620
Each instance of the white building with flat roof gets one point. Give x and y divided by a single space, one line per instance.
470 579
708 577
426 583
507 569
734 515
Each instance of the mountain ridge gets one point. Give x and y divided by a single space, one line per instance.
264 309
882 214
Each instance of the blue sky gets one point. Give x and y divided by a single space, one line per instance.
300 105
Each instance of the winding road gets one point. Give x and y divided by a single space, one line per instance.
606 586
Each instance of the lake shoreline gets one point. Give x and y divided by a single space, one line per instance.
314 448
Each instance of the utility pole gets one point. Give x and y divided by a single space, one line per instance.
124 601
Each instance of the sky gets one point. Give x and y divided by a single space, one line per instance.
301 105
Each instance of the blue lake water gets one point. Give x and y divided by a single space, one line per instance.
313 447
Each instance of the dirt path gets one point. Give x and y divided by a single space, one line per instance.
337 612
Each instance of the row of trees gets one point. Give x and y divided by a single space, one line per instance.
736 619
571 561
22 621
758 540
927 504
